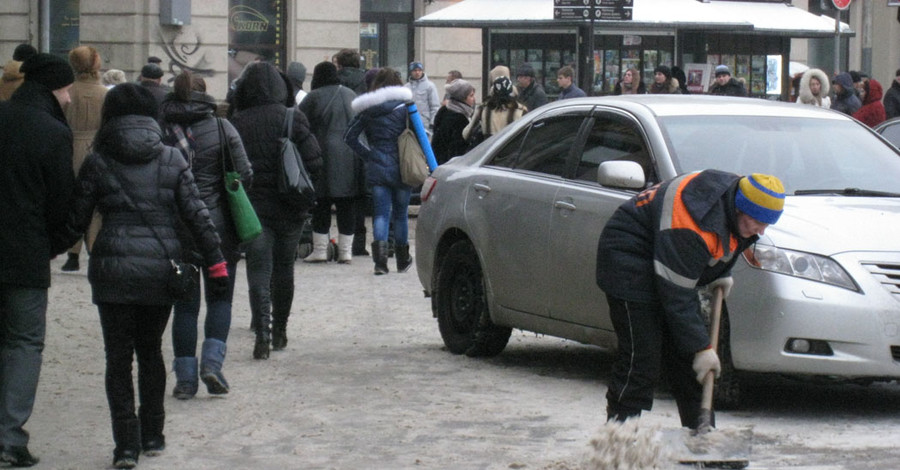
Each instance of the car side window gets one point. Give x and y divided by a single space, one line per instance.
612 137
548 144
506 156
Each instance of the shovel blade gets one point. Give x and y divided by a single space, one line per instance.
719 448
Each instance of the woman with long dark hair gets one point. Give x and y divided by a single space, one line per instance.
189 121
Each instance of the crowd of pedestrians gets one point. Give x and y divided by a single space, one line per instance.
134 174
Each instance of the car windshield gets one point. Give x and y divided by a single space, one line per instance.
811 156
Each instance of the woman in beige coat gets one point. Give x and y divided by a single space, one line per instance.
83 116
500 110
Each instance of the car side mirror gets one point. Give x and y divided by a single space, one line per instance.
621 174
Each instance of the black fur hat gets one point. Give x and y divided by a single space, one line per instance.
129 98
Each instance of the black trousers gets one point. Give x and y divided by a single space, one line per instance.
646 351
130 330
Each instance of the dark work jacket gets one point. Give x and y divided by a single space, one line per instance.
731 88
206 163
532 97
447 141
141 188
38 185
643 256
259 119
353 78
382 115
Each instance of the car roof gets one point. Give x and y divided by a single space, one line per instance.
704 105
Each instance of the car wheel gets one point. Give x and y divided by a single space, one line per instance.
462 312
727 394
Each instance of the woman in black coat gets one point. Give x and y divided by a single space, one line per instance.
141 188
190 124
328 108
450 121
260 111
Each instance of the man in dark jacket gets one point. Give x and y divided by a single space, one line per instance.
531 93
845 99
151 78
38 183
349 73
892 98
566 79
654 253
725 84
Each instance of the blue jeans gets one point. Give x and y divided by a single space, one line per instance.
270 271
391 203
218 316
23 313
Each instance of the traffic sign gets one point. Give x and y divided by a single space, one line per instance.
571 13
841 4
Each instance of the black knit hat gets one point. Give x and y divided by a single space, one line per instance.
24 51
151 71
129 98
48 70
324 74
664 70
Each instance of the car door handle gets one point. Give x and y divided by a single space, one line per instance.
482 188
564 205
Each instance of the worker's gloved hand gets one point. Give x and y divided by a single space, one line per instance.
219 283
725 283
705 361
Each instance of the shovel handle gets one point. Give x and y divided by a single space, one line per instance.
705 420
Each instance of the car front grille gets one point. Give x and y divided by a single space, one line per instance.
888 274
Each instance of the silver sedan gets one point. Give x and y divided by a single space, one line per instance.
507 234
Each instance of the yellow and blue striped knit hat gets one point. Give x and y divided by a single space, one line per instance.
761 197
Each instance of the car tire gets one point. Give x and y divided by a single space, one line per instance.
462 312
727 395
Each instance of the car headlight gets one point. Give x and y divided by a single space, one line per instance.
799 264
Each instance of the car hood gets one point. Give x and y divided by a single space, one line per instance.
829 225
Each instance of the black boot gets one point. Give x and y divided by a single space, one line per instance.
359 244
127 436
153 442
404 261
71 264
279 335
379 255
263 337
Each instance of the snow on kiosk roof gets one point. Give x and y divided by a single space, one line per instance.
731 16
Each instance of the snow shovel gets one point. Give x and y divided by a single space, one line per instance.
701 447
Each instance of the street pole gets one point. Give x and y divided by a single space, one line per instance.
837 40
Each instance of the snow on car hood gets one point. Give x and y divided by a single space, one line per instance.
829 225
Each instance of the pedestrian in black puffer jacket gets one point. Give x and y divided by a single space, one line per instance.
259 119
188 118
141 189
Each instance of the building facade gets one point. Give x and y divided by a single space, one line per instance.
216 38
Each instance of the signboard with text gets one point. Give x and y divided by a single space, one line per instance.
602 10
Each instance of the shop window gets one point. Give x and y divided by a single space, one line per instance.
546 53
386 34
616 54
255 32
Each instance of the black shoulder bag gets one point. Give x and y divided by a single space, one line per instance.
295 187
183 277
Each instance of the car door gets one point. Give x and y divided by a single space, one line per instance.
580 211
509 205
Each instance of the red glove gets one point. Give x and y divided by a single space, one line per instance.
218 270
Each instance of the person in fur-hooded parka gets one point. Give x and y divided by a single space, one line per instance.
814 88
872 111
382 115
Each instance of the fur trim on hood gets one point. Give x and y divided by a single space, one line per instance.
805 95
381 95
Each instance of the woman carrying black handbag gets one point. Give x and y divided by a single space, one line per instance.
140 187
